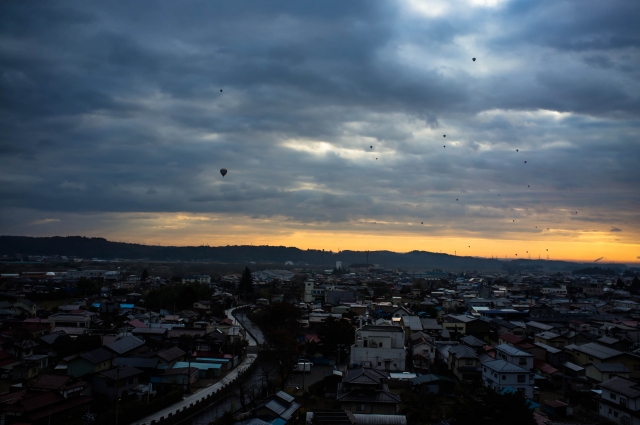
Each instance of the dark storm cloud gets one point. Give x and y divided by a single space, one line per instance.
117 108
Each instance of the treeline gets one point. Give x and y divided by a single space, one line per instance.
595 271
101 248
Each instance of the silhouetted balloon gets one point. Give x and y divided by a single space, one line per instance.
525 162
371 147
517 150
456 199
422 222
223 171
528 185
220 90
474 59
376 159
444 146
444 135
514 221
469 246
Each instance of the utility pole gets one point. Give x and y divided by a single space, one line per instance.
117 395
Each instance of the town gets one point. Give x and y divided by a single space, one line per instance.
104 342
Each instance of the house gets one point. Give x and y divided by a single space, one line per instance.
25 406
552 339
515 356
363 390
127 346
599 372
500 374
116 381
434 384
503 326
411 325
170 356
423 351
380 347
65 385
92 361
461 324
183 376
213 342
510 339
278 406
620 401
464 363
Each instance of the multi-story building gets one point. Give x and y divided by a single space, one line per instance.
620 401
514 356
499 374
379 347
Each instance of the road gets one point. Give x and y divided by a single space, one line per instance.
192 399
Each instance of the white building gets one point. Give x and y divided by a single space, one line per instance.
620 401
379 347
499 374
555 291
200 278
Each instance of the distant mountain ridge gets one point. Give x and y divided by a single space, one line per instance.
101 248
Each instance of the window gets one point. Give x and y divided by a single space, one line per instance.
504 377
379 363
623 401
380 345
612 396
360 407
521 378
468 362
485 369
522 361
590 358
626 420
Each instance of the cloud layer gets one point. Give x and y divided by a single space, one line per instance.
111 112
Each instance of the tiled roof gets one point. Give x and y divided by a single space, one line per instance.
595 350
51 382
124 345
504 366
171 354
96 356
622 386
544 367
512 351
463 352
364 376
611 367
514 339
125 372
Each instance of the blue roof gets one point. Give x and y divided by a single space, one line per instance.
278 421
212 360
127 305
197 365
96 305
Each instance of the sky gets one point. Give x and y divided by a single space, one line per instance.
116 117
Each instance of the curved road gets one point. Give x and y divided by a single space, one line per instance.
244 322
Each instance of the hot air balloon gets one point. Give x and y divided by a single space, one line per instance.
223 171
422 222
456 199
371 147
220 90
525 162
473 59
517 150
444 146
528 185
444 135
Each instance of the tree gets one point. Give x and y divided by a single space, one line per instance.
280 325
491 408
245 287
334 332
87 287
144 276
635 285
619 284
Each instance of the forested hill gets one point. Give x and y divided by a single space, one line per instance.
104 249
